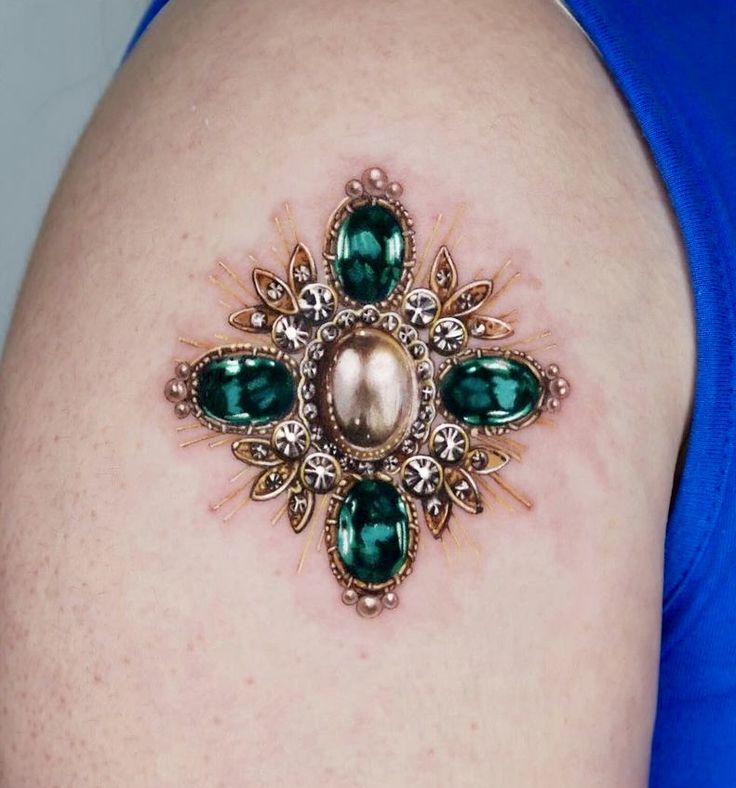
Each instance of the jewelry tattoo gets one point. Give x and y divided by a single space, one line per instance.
347 406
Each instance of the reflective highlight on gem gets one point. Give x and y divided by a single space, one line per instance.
370 254
490 391
373 531
372 384
245 390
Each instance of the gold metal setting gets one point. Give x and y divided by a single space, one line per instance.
534 366
368 401
227 350
316 398
347 206
338 568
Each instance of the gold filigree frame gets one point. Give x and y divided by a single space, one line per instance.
496 352
244 349
417 353
329 253
341 573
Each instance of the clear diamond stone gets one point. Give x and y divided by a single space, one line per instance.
317 303
422 475
449 443
290 333
421 307
320 472
290 439
448 336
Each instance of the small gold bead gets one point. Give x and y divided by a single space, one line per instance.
175 390
559 387
369 606
349 596
182 410
375 181
354 188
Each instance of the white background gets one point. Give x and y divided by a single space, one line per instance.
56 58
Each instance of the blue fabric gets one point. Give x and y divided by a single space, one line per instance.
675 63
148 17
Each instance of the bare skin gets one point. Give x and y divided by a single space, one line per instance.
145 643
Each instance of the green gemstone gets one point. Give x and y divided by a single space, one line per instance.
370 254
373 531
490 391
245 390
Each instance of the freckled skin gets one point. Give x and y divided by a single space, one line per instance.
111 566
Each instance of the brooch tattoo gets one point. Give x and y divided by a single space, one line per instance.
346 404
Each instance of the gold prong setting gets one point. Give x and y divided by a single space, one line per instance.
373 431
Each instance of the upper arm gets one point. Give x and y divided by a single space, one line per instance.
145 640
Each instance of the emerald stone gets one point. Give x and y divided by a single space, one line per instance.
370 254
490 391
245 390
373 531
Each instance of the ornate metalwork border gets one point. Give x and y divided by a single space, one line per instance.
316 409
245 349
304 317
494 352
349 205
338 568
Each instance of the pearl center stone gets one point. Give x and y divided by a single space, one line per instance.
371 387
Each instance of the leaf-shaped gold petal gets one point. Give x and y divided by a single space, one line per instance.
485 327
437 510
274 292
302 270
300 506
254 319
255 451
484 461
462 489
468 298
273 481
443 274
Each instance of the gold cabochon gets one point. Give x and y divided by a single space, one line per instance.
368 386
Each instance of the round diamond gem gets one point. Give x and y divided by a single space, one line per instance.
320 472
317 302
302 274
390 322
274 291
421 306
369 314
290 333
448 336
418 350
346 318
290 439
449 443
422 475
298 504
407 334
328 332
434 506
424 369
309 369
390 464
258 319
